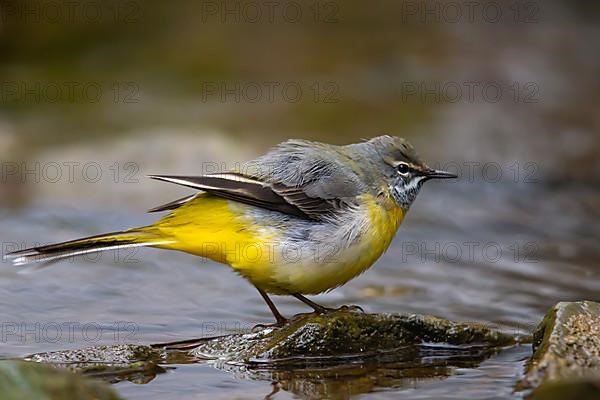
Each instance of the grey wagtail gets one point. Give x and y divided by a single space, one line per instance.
304 218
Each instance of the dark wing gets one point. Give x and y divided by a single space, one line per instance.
314 207
237 187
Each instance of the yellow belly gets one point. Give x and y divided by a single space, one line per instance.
225 232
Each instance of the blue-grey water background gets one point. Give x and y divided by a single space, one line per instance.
515 234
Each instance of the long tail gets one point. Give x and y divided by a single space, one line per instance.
92 244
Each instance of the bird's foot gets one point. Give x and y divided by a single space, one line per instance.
305 314
319 309
328 310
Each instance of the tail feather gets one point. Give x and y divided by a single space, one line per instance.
91 244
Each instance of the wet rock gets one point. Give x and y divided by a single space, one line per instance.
309 339
566 350
314 356
563 389
342 333
136 363
27 380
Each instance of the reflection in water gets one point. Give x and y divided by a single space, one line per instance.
338 377
344 380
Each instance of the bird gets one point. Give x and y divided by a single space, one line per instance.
302 219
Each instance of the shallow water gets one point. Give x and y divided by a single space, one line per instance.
497 253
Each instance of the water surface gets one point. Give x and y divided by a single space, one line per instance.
497 253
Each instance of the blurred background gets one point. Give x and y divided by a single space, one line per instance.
94 95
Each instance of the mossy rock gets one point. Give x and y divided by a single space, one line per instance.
343 333
566 346
28 380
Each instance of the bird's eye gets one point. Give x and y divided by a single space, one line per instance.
403 168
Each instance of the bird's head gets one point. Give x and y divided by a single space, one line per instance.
403 170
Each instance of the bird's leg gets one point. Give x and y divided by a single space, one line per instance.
317 307
281 320
322 309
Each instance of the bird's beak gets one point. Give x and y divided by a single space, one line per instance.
439 174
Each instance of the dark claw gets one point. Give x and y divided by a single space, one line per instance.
301 315
259 327
351 308
344 308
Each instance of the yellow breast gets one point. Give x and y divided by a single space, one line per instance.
337 263
386 218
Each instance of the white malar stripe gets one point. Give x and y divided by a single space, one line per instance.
27 259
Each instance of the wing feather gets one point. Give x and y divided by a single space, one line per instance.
236 187
305 179
173 204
